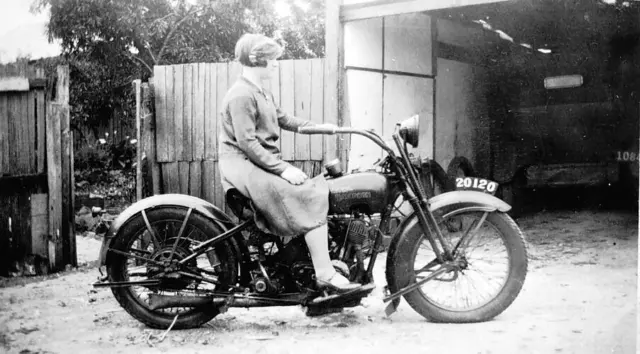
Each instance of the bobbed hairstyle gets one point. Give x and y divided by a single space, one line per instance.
253 50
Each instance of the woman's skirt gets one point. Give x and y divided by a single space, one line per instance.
283 209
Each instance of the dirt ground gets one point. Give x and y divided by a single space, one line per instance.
579 297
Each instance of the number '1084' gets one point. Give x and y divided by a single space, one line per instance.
627 156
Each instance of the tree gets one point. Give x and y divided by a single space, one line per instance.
109 43
154 32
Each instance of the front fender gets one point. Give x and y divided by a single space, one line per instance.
467 197
469 200
163 200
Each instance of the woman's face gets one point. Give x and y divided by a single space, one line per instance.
270 71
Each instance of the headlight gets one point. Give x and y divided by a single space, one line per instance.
410 130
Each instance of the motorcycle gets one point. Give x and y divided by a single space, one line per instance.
176 261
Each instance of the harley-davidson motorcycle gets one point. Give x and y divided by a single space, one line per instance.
178 261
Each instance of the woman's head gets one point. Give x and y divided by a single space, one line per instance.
257 52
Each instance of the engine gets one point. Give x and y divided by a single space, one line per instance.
354 230
365 191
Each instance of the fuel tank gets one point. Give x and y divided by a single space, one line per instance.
366 191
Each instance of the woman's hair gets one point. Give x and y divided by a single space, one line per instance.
255 49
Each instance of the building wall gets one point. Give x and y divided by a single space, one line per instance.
389 77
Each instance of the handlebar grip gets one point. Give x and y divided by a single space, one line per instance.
315 130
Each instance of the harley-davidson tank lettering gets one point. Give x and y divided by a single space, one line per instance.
457 258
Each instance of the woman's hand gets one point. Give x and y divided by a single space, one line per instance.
294 175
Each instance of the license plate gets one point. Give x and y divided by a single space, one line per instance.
476 184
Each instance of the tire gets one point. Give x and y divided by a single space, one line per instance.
401 263
514 194
441 181
458 166
135 306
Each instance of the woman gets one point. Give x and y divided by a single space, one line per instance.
290 204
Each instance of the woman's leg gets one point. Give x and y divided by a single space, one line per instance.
318 244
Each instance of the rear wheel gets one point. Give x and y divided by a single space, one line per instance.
145 245
490 273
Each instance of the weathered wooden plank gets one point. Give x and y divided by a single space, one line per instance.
39 224
287 104
22 228
222 85
333 77
219 199
183 177
195 179
31 124
317 106
15 135
302 70
14 84
197 128
68 232
4 135
161 124
149 137
137 91
208 181
170 178
40 130
11 136
54 172
181 114
170 114
25 142
62 84
211 113
72 201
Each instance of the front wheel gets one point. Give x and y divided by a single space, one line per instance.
489 273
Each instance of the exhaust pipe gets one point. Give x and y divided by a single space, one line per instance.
158 302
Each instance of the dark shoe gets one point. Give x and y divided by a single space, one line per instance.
330 285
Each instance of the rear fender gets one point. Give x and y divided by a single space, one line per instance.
201 206
467 200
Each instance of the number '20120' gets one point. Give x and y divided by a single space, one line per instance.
476 183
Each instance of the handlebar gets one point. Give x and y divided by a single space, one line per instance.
317 130
344 130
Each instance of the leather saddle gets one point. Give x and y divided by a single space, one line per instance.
241 206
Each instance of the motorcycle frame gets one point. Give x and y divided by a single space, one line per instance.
411 190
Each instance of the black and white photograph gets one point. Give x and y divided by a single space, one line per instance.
319 176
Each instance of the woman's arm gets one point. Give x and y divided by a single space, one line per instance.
243 114
288 122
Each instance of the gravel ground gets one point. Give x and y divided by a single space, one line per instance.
579 297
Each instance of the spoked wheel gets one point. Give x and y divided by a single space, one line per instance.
481 279
147 252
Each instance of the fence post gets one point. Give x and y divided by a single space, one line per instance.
148 137
54 175
62 241
137 88
334 94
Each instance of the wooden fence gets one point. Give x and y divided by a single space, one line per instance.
36 171
186 121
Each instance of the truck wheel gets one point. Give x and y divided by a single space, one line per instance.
460 167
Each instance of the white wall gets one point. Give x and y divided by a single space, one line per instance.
462 127
378 101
